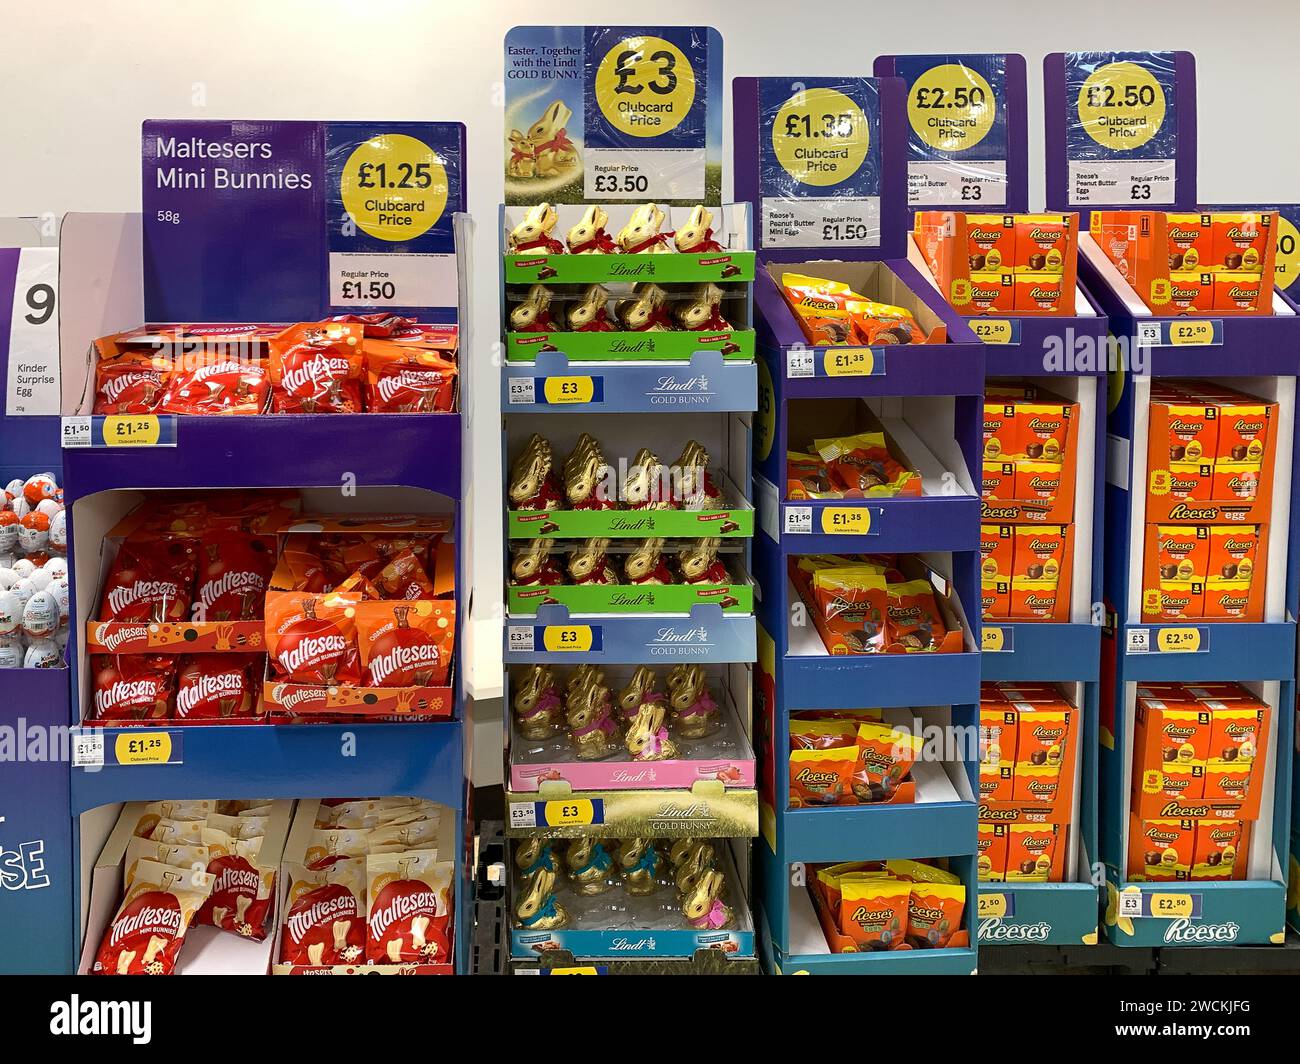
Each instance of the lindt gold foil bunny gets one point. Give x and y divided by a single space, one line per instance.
581 676
589 563
702 310
589 866
645 564
536 908
589 314
696 236
537 704
532 487
646 310
647 485
549 135
522 162
586 477
533 233
647 738
699 562
531 565
533 312
532 854
703 906
691 480
589 237
639 691
592 728
641 235
694 712
694 860
640 866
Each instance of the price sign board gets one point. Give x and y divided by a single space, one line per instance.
287 221
1120 129
29 330
966 130
614 114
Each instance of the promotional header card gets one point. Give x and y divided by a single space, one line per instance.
823 161
1120 129
288 221
966 142
613 114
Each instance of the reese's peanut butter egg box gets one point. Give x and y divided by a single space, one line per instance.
1044 242
1241 239
991 292
1238 290
997 551
999 481
990 242
1040 552
874 913
1217 853
1000 433
1237 730
1161 850
991 859
1228 780
1191 242
1040 293
1031 849
1044 429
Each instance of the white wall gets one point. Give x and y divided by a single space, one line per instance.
79 76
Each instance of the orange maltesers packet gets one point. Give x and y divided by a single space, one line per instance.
404 577
914 621
313 638
406 644
934 914
215 383
822 777
408 378
874 912
316 368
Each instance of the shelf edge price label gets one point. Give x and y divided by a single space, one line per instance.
846 521
1174 906
1179 640
996 330
569 391
570 812
994 641
570 638
1188 333
146 748
852 362
132 430
589 969
994 906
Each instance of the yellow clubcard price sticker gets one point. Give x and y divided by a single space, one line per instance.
1191 333
645 86
574 638
992 640
131 430
991 906
570 812
1173 906
565 391
850 362
951 107
1287 263
846 521
1178 640
993 330
394 187
820 137
144 748
1121 106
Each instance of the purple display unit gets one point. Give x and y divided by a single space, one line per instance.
922 390
359 462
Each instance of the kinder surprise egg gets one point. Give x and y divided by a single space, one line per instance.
11 652
55 567
14 488
11 612
41 486
9 522
43 654
41 578
24 590
7 578
59 532
24 567
41 615
33 532
20 506
49 507
59 589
